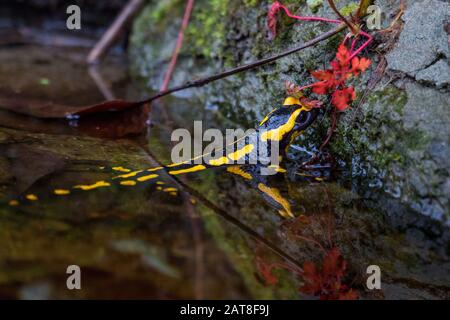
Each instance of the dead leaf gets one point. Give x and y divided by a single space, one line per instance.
110 125
49 110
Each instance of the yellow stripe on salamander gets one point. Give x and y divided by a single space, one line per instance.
31 197
98 184
61 192
275 195
13 203
128 175
121 169
191 169
128 183
176 164
241 152
145 178
219 161
277 168
266 117
237 170
278 133
154 169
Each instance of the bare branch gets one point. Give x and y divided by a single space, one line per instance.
204 81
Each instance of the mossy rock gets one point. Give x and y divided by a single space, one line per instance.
384 146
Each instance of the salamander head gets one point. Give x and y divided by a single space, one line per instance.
287 121
306 116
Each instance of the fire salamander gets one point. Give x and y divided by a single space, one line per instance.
279 128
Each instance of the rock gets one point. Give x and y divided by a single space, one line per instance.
423 38
314 4
399 132
438 74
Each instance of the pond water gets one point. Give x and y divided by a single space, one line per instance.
217 237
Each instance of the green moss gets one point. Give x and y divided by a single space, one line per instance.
349 9
377 133
416 140
207 27
162 9
251 3
314 5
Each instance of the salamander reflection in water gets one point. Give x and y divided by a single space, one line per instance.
280 127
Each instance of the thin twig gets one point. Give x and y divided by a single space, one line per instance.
331 129
177 49
293 16
100 82
114 31
315 242
334 120
338 13
204 81
198 248
362 9
373 81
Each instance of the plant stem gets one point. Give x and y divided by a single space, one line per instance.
176 50
204 81
114 31
365 44
290 15
362 9
334 120
335 9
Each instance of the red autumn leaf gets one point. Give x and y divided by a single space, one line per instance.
312 280
296 91
334 79
265 270
348 295
341 99
326 83
343 55
311 103
321 88
327 282
292 89
364 63
360 65
335 67
322 75
333 264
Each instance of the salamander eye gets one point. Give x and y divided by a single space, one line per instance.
302 117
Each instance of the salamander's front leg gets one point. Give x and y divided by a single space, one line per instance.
270 194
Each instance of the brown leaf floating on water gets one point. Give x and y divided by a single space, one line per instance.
49 110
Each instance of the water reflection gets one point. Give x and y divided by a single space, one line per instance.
216 238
